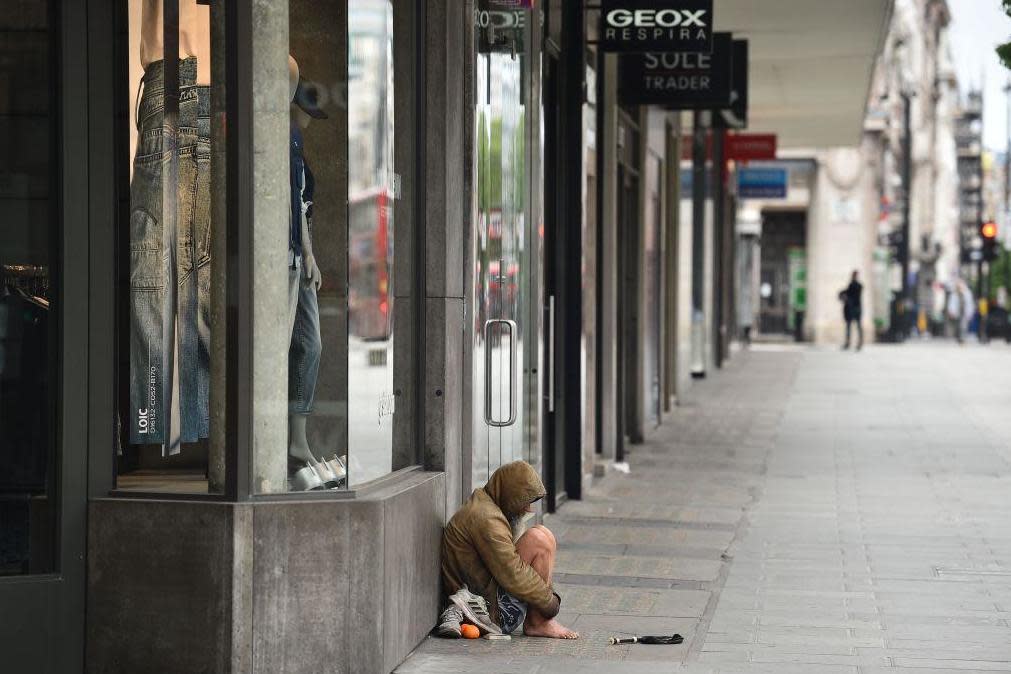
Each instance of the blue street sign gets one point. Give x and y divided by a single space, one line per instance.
762 183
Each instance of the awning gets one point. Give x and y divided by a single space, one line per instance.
811 65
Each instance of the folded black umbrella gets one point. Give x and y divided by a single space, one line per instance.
657 641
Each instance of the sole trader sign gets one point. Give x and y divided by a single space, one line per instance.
679 80
656 25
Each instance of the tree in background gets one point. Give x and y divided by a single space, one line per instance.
1004 50
1000 269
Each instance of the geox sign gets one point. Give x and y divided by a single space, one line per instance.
656 25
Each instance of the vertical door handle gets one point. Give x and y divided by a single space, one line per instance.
551 353
488 417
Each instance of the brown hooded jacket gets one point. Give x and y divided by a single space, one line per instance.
478 548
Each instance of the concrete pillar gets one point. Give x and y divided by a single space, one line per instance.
270 337
219 257
672 212
446 218
841 235
608 271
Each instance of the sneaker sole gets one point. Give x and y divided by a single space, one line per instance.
448 633
490 627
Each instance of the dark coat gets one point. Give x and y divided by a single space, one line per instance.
851 299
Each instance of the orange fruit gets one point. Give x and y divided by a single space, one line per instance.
470 631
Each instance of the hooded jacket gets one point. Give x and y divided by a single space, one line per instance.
478 548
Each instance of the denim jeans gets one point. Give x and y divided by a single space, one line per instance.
306 344
170 261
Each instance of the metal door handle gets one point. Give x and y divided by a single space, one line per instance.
551 353
511 325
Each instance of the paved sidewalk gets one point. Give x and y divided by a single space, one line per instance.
806 510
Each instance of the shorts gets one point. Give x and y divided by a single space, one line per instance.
511 612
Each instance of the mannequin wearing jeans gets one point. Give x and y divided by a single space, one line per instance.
303 307
170 233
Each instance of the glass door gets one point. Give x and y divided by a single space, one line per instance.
502 208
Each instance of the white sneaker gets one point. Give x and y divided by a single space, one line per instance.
475 609
449 623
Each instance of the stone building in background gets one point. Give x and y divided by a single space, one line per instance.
915 81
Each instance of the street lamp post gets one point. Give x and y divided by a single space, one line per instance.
907 169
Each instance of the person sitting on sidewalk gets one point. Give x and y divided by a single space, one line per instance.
511 580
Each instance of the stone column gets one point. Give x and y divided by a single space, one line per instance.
270 336
219 256
447 214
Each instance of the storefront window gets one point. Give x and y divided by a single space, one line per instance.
29 494
340 305
166 261
372 187
315 256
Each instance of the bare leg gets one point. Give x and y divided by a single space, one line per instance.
537 548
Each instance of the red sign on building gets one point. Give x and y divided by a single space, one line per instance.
751 146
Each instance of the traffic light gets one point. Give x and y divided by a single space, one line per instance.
988 231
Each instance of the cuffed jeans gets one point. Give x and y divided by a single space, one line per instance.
306 343
170 260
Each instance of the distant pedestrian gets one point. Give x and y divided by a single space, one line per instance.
853 310
960 309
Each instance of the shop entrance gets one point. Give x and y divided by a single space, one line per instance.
499 327
782 289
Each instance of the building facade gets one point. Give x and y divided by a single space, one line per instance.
884 204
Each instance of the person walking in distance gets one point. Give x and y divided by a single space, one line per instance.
953 310
960 309
852 310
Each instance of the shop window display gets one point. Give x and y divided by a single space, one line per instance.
338 302
165 307
342 398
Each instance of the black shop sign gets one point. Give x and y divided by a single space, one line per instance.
736 116
656 25
501 25
679 80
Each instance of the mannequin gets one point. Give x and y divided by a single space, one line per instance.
304 282
169 228
194 35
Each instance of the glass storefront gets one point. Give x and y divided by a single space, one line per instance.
324 388
501 217
373 184
29 305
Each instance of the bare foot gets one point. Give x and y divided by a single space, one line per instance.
551 629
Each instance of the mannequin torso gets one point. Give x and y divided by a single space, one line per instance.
194 35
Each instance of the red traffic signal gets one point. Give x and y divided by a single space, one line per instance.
988 231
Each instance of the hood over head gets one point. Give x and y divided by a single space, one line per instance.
514 486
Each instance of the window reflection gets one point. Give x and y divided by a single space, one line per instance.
501 179
28 476
372 186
